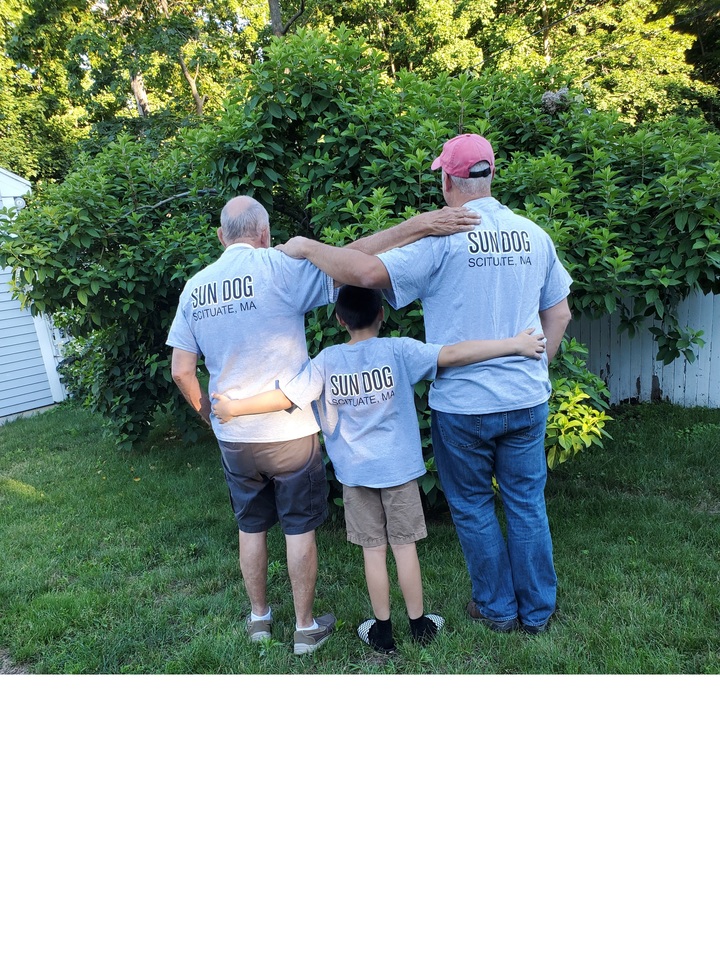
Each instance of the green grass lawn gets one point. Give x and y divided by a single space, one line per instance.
127 562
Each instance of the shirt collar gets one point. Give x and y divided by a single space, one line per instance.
239 243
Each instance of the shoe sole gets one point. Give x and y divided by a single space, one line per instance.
301 648
327 623
257 635
363 630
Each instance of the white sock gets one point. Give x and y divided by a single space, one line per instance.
265 616
312 626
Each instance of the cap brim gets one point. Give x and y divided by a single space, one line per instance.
437 162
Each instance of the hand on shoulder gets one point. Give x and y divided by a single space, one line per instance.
449 220
295 247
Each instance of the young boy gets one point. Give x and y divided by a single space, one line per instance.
366 407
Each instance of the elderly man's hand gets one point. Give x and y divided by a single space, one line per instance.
447 220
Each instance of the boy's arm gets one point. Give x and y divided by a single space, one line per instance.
525 344
269 402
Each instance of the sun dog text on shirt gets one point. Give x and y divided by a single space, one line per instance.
361 388
217 298
499 248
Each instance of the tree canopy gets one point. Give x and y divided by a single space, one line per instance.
39 123
79 70
75 73
631 55
628 56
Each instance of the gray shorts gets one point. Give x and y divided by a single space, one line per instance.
271 482
390 515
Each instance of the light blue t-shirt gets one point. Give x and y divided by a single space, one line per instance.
486 284
366 406
245 314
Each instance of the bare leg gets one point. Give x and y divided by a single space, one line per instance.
409 577
378 584
302 570
254 568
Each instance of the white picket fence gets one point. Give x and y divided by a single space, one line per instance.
628 366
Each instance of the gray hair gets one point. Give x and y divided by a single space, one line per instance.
249 222
473 186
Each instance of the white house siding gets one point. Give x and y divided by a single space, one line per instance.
24 383
628 366
28 358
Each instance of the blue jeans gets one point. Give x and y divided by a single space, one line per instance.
514 578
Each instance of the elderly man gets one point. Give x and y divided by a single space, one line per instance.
488 419
245 315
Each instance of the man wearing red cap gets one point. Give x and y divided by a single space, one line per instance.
489 419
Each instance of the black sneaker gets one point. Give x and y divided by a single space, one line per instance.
499 626
368 634
430 625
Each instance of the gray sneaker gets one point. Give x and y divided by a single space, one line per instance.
308 640
258 630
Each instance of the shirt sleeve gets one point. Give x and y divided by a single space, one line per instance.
557 282
306 283
307 385
180 335
411 269
419 359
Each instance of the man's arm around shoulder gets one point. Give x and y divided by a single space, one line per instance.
358 264
433 223
343 264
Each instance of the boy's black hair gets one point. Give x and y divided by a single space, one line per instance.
358 307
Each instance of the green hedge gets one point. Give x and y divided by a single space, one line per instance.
334 149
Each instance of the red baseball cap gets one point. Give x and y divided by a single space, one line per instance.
463 152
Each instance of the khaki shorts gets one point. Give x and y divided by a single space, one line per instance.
271 482
391 515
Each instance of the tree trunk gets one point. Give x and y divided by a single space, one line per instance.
199 101
276 18
138 88
546 32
